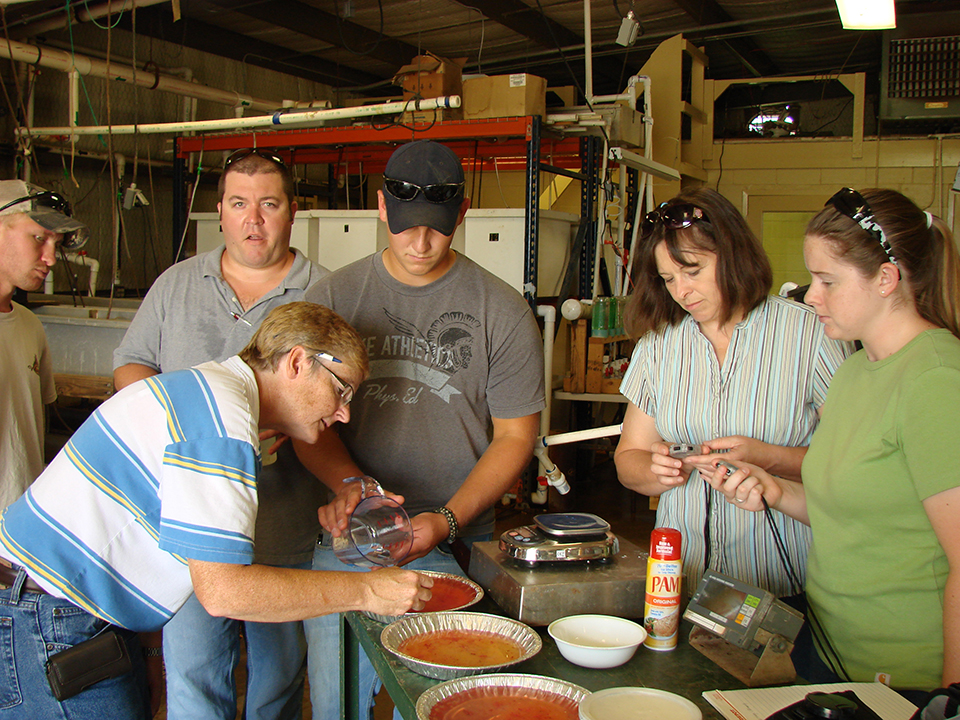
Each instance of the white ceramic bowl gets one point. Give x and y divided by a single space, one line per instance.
597 641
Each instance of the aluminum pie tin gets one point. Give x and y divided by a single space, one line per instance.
421 623
499 684
467 582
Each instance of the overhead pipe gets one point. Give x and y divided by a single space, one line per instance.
86 154
79 15
309 118
46 56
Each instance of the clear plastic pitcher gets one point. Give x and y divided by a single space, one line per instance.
379 534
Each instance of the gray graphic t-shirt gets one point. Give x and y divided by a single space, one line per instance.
444 359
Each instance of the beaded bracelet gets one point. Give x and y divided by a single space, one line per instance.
451 522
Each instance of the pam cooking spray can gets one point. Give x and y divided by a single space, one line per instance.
661 608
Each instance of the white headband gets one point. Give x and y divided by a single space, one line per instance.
929 219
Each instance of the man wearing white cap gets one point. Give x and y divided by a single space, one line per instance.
33 224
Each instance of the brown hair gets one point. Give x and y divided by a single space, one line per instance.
926 254
253 164
313 327
744 275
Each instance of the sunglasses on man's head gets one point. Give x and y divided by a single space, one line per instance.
672 217
58 203
852 204
239 155
47 199
407 191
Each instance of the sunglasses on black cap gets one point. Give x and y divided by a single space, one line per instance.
407 191
672 217
239 155
58 203
852 204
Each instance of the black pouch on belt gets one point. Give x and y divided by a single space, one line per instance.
75 669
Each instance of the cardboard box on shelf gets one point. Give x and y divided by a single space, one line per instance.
504 96
563 96
429 76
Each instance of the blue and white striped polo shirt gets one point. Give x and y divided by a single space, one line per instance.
164 471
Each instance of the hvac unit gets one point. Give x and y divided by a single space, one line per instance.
920 75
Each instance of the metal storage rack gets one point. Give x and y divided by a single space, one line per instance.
498 143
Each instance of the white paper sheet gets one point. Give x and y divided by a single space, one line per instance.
761 703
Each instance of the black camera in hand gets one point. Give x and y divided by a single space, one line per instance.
827 706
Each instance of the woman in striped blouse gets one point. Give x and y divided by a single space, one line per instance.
723 366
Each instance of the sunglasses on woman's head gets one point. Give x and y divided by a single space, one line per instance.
852 204
672 217
239 155
407 191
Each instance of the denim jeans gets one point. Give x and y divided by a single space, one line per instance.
201 652
32 628
323 637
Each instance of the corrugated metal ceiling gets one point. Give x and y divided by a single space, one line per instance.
314 39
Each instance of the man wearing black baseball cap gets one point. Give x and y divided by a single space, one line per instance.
450 413
33 224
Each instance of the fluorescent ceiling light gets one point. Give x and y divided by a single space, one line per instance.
867 14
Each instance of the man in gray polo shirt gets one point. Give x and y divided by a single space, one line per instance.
207 308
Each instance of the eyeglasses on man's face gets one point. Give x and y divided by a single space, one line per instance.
344 389
407 191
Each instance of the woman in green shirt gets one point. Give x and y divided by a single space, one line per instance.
880 483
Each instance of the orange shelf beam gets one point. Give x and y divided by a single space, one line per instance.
483 144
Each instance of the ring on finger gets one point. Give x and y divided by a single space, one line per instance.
739 500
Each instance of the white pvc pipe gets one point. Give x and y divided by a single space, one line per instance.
554 474
119 69
574 309
99 156
310 118
82 261
578 435
80 14
630 94
549 315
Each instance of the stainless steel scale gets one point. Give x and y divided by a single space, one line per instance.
561 537
564 564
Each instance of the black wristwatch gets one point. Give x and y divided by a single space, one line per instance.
451 522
